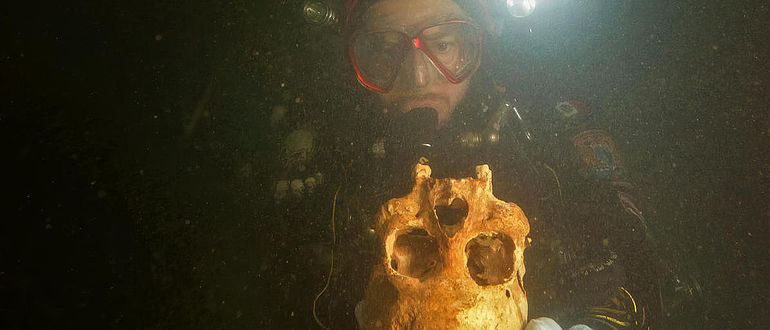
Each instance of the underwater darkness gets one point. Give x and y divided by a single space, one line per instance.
135 139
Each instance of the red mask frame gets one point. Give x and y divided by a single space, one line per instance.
418 42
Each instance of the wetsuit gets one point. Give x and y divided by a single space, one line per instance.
591 260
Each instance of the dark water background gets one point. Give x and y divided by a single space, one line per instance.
135 150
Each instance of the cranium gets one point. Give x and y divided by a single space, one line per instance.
453 258
298 149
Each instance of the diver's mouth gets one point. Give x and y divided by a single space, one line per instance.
428 101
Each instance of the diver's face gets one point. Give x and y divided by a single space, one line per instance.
418 83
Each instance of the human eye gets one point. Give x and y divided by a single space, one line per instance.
378 43
445 46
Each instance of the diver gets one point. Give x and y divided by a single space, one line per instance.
435 96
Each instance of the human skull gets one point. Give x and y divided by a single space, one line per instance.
298 149
454 258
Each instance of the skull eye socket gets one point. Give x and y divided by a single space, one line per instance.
415 254
490 258
452 216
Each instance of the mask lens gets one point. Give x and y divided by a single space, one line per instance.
455 47
378 57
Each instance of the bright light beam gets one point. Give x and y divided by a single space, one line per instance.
520 8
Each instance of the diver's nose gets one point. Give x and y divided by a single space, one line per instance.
421 69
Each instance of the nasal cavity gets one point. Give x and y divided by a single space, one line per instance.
490 258
452 216
415 254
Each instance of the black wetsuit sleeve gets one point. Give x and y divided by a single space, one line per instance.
614 264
